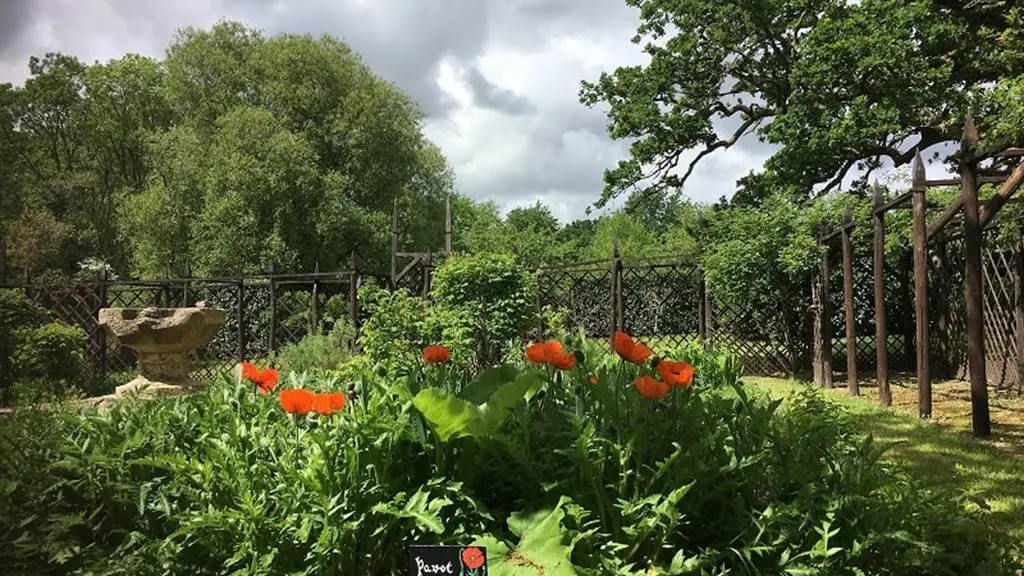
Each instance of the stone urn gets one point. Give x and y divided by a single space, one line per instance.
162 338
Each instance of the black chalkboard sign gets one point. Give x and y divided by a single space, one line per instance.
447 561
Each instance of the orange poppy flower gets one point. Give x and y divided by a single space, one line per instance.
265 380
297 401
650 387
563 361
436 354
630 350
676 373
337 400
551 353
544 352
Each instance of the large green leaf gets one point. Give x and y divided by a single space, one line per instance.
497 409
448 416
541 548
480 390
452 417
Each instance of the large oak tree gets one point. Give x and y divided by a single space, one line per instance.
836 85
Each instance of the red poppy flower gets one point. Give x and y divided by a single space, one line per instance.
297 401
650 387
630 350
436 354
265 380
473 558
676 373
593 379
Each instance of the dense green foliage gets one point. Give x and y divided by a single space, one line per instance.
568 476
834 84
495 295
40 354
235 150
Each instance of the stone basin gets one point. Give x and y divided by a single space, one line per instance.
162 338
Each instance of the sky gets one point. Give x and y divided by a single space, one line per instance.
498 79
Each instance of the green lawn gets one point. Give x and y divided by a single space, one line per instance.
942 451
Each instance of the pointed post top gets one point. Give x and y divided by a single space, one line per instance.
615 250
316 267
188 270
970 137
917 174
876 193
847 215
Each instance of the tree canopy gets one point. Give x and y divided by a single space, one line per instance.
233 151
835 84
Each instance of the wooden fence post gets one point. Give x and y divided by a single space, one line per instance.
702 310
615 294
394 245
240 311
427 263
853 387
184 286
165 289
315 300
353 294
973 303
920 231
272 338
881 329
101 334
448 226
822 325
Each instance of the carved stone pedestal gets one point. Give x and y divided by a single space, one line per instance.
162 338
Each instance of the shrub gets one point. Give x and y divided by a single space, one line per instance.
318 351
400 325
494 292
554 473
35 350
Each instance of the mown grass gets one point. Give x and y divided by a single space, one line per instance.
943 451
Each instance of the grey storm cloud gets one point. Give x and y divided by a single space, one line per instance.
488 95
550 146
15 16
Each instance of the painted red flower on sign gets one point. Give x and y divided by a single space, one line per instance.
473 558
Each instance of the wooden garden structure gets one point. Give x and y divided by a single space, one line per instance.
974 218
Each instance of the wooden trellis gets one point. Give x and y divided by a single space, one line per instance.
985 314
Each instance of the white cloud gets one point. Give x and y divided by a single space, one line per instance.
499 78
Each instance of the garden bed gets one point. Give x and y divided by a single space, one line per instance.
569 468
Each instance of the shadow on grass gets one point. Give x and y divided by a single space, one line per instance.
942 452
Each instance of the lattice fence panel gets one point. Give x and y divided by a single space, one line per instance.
78 305
220 356
753 336
999 273
946 328
898 289
660 303
585 295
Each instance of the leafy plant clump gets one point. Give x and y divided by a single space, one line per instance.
39 356
561 465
